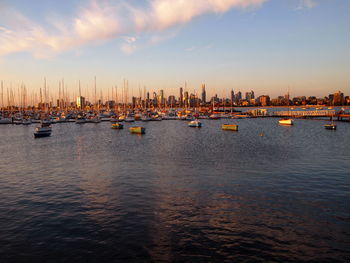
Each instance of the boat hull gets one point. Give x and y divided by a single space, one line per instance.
117 126
42 134
330 127
137 130
229 127
286 122
195 124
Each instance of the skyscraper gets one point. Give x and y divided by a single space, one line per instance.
80 102
232 96
186 99
238 96
181 100
204 95
161 97
338 98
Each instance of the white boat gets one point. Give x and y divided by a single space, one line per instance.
156 118
286 122
5 121
27 122
195 124
80 120
17 121
145 118
114 119
129 119
96 119
42 131
214 116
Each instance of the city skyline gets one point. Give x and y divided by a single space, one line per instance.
186 97
266 46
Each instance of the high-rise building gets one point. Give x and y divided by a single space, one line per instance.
193 100
204 95
338 98
80 102
238 96
264 100
171 101
186 99
232 96
161 97
181 99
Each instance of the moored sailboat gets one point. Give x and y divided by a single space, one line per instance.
229 127
137 130
286 121
44 130
117 126
195 124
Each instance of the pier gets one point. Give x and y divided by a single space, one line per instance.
340 116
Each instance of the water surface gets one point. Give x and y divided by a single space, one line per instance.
90 193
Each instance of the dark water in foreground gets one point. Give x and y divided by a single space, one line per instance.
176 194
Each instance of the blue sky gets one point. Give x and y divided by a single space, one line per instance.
267 46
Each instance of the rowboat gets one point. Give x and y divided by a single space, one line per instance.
229 127
137 130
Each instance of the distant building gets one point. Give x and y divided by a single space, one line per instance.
80 102
264 100
186 99
161 97
238 96
181 98
249 95
232 96
171 101
134 102
193 100
204 95
338 98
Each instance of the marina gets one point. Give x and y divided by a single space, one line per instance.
173 131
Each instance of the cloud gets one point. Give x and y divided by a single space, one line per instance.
306 4
102 21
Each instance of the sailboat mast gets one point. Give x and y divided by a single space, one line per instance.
95 91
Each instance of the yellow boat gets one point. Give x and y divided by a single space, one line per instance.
117 126
138 130
286 122
230 127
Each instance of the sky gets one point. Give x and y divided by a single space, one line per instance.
269 46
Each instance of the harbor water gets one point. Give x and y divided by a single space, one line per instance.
176 194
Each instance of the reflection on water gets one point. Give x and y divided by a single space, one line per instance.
176 194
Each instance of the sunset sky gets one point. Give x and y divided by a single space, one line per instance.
268 46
